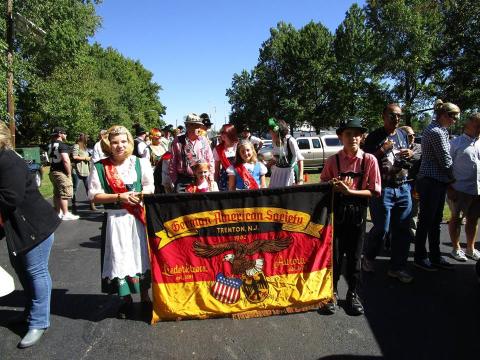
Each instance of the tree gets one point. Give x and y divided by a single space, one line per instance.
408 35
461 54
358 91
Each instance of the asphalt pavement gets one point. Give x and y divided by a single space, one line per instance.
435 317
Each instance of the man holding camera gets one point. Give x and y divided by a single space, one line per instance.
392 210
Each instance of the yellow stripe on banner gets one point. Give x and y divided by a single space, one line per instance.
174 301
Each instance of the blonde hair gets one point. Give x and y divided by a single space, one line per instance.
440 107
114 131
238 157
5 137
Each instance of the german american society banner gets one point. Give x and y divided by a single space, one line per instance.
241 253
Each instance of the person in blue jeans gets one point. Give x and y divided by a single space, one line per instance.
434 177
391 211
27 221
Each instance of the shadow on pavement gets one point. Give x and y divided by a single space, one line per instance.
435 317
91 307
349 357
94 243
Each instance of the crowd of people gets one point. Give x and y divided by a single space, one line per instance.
384 171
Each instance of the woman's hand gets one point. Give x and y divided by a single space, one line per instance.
130 198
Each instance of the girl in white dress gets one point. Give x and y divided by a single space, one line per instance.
286 155
118 182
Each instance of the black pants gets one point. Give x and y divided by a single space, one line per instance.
348 241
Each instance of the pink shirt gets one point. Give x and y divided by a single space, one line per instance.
181 165
371 178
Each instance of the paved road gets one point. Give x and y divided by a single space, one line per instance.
436 317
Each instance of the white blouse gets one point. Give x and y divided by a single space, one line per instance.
127 173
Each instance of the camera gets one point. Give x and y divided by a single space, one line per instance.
402 163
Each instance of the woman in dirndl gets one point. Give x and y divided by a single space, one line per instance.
118 182
286 155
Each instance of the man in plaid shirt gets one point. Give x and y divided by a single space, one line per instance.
436 173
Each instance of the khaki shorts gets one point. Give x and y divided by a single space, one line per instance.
62 185
464 205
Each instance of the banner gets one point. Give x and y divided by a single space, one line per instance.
241 253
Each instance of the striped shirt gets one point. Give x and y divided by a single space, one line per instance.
436 159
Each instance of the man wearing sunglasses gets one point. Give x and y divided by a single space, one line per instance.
391 211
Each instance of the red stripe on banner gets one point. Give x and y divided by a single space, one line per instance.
304 255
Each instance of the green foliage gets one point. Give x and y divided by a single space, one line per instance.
408 39
405 51
62 80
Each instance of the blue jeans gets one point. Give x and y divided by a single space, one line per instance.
32 271
432 200
391 212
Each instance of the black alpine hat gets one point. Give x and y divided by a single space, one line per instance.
354 123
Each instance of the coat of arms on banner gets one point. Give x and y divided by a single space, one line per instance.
225 289
254 284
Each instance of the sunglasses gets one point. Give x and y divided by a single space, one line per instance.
394 115
453 115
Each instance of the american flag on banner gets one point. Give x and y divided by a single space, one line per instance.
226 290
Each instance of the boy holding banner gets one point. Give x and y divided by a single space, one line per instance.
355 176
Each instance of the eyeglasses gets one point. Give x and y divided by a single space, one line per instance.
411 135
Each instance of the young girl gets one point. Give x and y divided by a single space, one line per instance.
247 173
224 154
202 181
355 177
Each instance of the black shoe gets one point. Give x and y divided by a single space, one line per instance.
353 304
441 263
125 311
424 264
331 307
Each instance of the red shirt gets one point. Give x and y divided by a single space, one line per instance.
371 178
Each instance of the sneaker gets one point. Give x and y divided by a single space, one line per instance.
368 265
458 255
443 264
474 254
353 304
70 216
400 275
60 215
424 264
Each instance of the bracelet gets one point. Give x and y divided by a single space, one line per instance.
118 198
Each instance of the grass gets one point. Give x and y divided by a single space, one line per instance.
46 189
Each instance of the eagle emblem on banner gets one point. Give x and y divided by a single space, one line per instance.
250 271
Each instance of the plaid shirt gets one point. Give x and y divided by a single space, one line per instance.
436 160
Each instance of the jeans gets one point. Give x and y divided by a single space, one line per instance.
76 180
432 200
32 271
391 212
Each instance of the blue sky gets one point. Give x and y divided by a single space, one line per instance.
193 48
